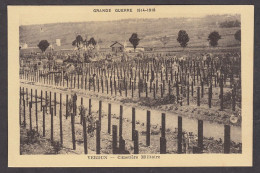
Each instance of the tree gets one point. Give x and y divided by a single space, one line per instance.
213 38
78 41
183 38
43 45
238 35
92 41
134 40
164 40
74 43
99 41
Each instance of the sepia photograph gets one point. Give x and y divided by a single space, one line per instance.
132 83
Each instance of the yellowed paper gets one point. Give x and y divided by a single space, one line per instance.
40 15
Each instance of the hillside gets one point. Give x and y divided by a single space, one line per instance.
149 31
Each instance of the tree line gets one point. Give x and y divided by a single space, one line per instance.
230 24
182 39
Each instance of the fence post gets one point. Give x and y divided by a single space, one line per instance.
74 80
125 88
24 123
62 79
200 136
109 118
36 110
162 145
107 85
148 124
55 102
89 106
139 91
177 92
146 92
162 138
163 125
169 84
114 139
154 91
136 143
132 87
188 94
100 112
133 122
67 105
121 145
81 104
82 81
43 121
221 93
27 96
23 94
51 124
46 100
85 135
78 81
50 101
86 83
31 96
226 139
215 80
120 89
73 131
111 86
115 87
202 89
163 86
198 96
41 100
30 108
75 105
179 135
210 95
98 137
156 86
121 121
192 89
71 78
102 86
61 134
161 91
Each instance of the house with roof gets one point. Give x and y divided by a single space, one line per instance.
117 47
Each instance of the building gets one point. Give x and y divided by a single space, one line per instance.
117 47
131 49
24 46
58 42
31 50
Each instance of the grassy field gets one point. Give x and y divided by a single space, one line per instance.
148 30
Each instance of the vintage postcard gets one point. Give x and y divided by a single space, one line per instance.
130 86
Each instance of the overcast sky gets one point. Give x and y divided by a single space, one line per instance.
30 15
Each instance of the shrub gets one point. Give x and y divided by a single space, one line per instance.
32 136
